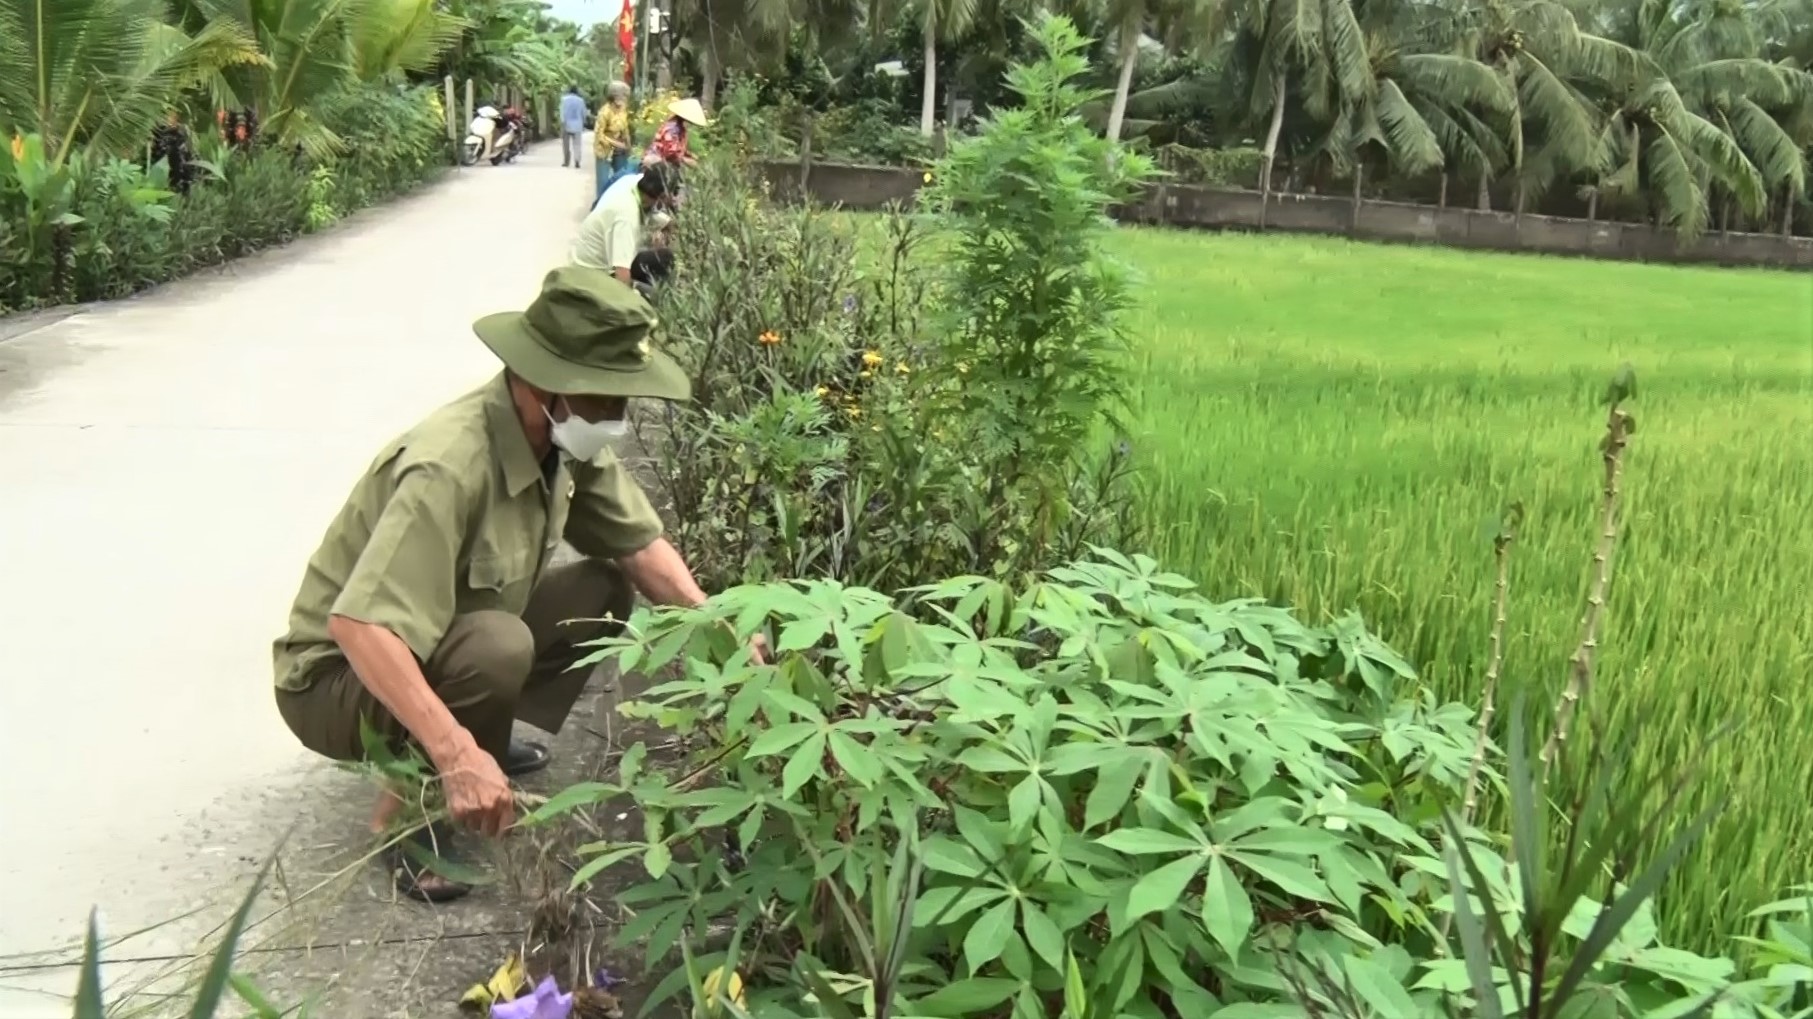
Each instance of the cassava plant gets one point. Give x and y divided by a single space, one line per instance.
1119 791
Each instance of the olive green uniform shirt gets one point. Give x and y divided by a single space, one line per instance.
456 516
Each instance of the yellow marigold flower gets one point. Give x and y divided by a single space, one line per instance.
928 176
963 367
902 368
822 391
872 358
769 338
18 147
854 412
865 373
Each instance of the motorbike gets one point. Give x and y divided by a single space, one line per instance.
494 135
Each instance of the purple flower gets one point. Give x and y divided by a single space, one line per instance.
545 1002
606 979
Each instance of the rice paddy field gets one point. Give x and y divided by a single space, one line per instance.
1334 425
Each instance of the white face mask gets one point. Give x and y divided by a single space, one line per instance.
581 439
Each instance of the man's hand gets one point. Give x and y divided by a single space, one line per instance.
478 795
758 649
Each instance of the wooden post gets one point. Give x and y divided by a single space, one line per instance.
1359 173
471 109
451 109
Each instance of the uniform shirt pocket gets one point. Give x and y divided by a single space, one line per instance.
500 580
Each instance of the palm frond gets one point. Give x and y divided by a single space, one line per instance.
1410 141
391 37
1674 188
1567 121
1345 51
1724 160
1455 81
1722 82
1774 153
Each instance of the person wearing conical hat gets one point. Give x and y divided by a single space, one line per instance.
670 144
431 612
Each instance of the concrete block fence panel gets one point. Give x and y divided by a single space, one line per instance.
1190 206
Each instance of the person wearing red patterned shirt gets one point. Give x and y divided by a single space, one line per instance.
669 144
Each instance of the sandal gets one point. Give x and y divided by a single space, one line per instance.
523 758
411 860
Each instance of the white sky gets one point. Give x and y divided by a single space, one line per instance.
585 12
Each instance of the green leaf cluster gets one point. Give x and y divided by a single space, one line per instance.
1103 767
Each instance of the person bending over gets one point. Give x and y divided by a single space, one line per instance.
431 611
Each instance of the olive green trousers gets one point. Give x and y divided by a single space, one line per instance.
490 669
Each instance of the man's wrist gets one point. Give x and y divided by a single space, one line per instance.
449 744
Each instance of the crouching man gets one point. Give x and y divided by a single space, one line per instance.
430 611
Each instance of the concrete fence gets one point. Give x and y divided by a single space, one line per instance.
873 187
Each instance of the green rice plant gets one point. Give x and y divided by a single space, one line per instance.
1328 425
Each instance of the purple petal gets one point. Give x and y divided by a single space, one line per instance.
606 979
545 1002
522 1008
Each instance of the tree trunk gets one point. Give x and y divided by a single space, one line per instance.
1592 205
928 104
1520 198
1441 200
1787 212
1117 114
1725 217
708 73
1359 175
664 67
1271 145
1485 192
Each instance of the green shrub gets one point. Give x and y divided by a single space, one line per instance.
1222 168
97 227
870 132
936 400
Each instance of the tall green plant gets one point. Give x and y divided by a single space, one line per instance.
1033 301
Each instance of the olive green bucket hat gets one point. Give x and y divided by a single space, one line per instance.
585 334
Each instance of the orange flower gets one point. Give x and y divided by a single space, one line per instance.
769 338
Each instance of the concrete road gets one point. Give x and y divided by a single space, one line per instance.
168 463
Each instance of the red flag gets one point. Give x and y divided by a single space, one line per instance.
626 37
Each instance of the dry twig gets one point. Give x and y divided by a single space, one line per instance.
1501 552
1619 427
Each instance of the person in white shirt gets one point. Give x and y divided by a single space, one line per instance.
611 234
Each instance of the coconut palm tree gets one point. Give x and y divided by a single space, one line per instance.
103 73
1718 119
1547 59
1420 106
1316 44
1128 21
316 49
939 19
